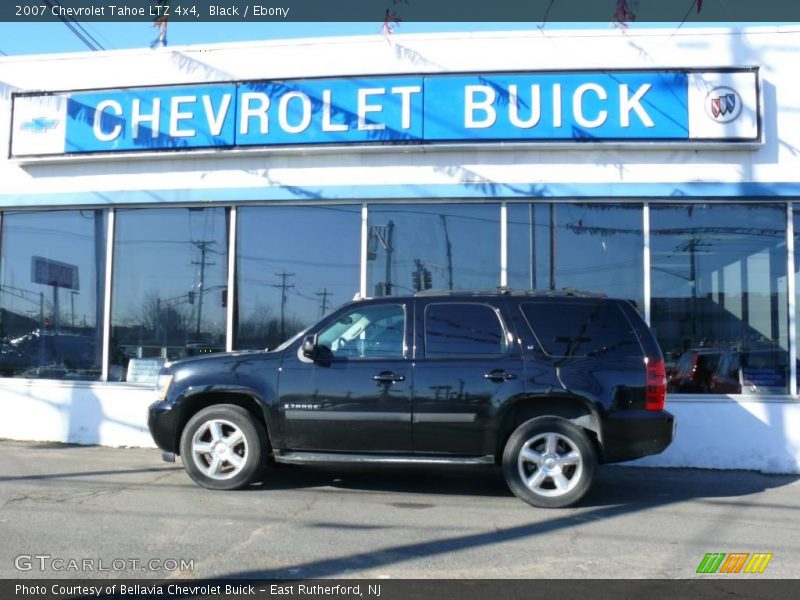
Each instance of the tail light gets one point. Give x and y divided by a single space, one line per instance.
656 392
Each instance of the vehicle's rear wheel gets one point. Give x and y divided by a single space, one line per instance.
223 447
549 462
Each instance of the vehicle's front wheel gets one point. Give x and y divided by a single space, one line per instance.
223 447
549 462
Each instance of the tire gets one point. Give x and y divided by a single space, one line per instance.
549 462
223 447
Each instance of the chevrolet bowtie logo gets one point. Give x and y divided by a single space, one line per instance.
39 125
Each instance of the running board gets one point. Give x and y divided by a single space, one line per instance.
396 459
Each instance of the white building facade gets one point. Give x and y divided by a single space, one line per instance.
156 204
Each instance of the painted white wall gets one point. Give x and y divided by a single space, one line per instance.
53 411
766 435
725 433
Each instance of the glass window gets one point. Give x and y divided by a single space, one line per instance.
170 280
719 296
593 247
369 332
52 276
796 219
463 329
439 246
589 328
294 265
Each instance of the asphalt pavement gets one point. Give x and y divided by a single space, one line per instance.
76 512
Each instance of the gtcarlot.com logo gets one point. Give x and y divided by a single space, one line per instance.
47 562
734 562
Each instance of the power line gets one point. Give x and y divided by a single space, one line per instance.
75 27
99 35
3 53
72 28
88 35
78 35
84 34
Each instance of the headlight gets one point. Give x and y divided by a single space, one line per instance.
162 385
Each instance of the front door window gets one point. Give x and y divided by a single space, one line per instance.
368 332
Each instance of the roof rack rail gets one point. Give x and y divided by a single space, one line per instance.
505 290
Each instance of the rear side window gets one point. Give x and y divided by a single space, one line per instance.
463 329
590 328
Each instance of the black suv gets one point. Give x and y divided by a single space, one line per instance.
546 384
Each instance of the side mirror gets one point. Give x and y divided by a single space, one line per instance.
310 346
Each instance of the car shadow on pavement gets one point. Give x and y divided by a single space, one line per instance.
613 486
618 491
466 481
651 487
86 474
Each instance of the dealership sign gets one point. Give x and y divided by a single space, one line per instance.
545 107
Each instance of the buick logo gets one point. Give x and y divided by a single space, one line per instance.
39 125
723 104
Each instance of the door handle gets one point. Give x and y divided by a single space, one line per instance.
499 375
388 377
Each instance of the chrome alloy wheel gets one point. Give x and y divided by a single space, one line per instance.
550 464
219 449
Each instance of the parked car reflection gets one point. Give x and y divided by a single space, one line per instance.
751 371
52 355
693 372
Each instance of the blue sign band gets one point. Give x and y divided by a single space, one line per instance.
557 106
650 105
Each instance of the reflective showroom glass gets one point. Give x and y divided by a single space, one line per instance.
169 282
294 264
796 219
52 274
432 246
719 296
594 247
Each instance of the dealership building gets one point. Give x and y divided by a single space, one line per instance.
162 203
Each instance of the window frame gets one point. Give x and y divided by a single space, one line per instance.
349 308
99 301
506 331
623 317
786 239
240 237
116 215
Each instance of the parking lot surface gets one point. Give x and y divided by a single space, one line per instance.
76 512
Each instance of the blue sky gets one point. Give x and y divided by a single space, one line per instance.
44 38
